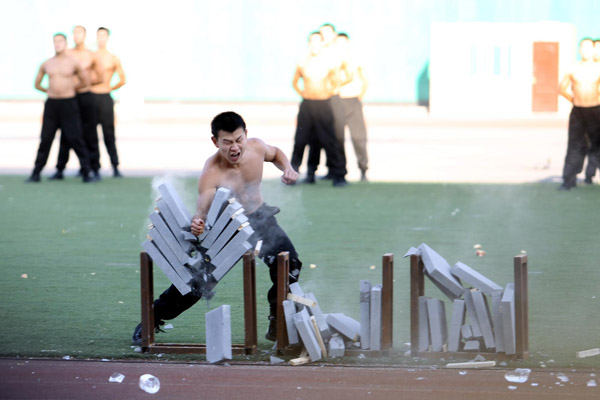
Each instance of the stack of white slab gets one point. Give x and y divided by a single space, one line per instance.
192 262
308 326
472 326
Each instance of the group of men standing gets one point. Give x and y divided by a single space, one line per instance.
79 87
333 85
581 86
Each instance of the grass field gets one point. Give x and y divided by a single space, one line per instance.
79 248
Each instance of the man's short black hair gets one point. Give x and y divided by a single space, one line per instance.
586 38
227 121
314 33
344 34
60 34
104 29
327 24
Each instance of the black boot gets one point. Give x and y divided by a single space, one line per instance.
136 339
116 173
58 176
35 177
272 330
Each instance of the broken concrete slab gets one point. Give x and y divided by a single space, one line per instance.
484 318
289 309
336 346
472 314
587 353
474 278
166 251
507 309
345 325
456 322
302 322
167 235
365 314
412 251
424 336
438 328
218 334
472 364
438 270
218 204
171 222
471 345
375 332
175 204
226 235
497 321
320 318
166 268
224 218
232 252
296 289
466 332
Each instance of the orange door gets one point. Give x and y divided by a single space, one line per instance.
545 77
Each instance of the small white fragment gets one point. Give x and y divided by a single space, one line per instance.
116 377
105 359
477 246
313 266
562 377
534 384
519 375
168 326
591 383
149 383
421 378
66 357
511 387
462 372
372 267
24 276
276 360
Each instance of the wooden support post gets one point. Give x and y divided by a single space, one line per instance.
283 287
147 286
251 337
417 288
521 307
387 302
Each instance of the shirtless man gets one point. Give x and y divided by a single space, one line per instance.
582 88
590 170
315 117
238 166
352 94
87 106
104 101
61 109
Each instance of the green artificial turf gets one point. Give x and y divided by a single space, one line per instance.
79 246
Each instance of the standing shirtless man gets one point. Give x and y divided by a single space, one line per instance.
238 166
104 101
584 121
590 170
61 109
87 106
315 118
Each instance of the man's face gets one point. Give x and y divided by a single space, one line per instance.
328 34
586 49
315 43
231 145
79 35
102 38
60 44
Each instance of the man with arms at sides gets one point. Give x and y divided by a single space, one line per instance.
87 106
238 166
590 170
61 109
315 125
581 87
104 101
352 94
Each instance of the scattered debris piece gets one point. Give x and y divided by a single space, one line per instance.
66 357
24 276
480 253
372 267
300 360
588 353
149 383
116 377
477 246
168 326
519 375
313 266
472 364
276 360
591 383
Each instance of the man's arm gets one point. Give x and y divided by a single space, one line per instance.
97 69
365 82
295 81
346 72
82 75
119 70
206 193
563 87
279 159
38 79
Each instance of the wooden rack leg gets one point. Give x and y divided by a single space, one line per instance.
417 288
147 286
283 287
251 338
521 307
387 302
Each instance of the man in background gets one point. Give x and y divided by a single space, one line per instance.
104 101
87 106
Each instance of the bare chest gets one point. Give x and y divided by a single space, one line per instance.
60 69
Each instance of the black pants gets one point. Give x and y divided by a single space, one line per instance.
315 127
89 123
106 118
62 114
584 125
171 303
339 126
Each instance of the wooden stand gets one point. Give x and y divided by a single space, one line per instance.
147 292
417 288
